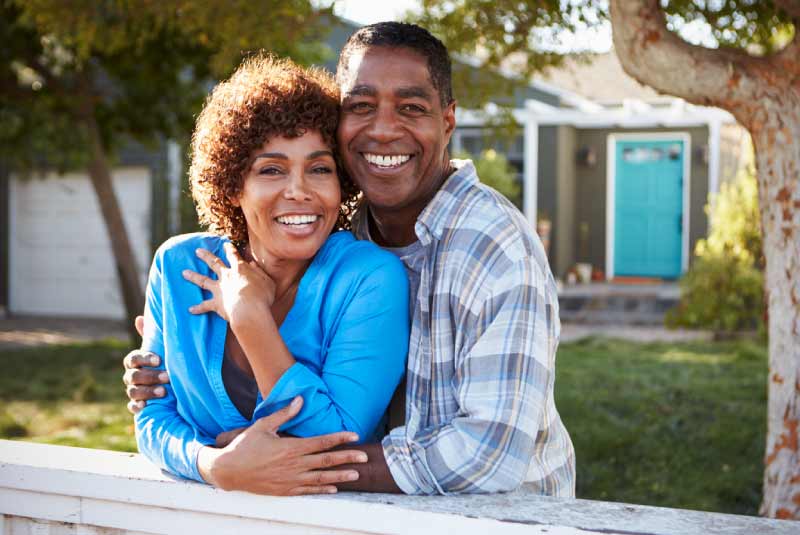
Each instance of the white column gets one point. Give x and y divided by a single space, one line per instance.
531 171
714 129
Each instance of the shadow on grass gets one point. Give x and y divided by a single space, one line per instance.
676 425
71 395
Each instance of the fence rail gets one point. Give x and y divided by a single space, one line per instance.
58 490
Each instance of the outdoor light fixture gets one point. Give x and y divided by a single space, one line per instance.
701 153
586 156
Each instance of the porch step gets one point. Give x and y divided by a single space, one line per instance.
617 304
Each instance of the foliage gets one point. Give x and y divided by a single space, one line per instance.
724 288
674 425
526 34
735 221
144 66
720 293
495 171
646 419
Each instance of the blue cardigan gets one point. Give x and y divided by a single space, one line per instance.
348 332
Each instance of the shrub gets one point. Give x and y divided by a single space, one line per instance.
724 288
495 171
721 293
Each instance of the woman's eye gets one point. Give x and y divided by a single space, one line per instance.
270 171
322 170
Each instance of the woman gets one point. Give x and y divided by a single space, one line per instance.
301 311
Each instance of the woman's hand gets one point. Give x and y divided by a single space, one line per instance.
258 460
240 291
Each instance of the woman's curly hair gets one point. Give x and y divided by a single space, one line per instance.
265 97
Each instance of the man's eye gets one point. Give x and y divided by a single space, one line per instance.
412 108
322 170
360 107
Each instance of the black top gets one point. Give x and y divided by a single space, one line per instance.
241 388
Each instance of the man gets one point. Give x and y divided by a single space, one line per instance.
480 415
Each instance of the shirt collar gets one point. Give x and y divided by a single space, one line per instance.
439 212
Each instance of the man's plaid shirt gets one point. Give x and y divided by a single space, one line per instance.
480 414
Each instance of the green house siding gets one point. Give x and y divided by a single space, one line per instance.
590 192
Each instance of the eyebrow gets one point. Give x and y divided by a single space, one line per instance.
362 91
413 92
403 92
282 156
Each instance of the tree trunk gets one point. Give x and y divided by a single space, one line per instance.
763 93
100 175
777 145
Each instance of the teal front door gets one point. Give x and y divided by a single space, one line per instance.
648 208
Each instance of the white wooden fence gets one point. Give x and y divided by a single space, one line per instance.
60 490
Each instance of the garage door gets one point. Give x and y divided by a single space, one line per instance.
60 258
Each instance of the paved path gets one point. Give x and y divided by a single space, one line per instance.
25 331
18 332
571 332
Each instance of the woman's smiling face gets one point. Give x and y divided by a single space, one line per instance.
290 197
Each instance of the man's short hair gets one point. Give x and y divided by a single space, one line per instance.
402 35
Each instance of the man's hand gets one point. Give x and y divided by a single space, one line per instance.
142 384
258 460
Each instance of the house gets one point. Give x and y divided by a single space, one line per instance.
622 180
621 173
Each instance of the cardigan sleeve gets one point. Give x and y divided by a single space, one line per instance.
365 360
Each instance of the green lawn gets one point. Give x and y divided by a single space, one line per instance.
676 425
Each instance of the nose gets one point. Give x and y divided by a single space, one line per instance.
297 188
385 126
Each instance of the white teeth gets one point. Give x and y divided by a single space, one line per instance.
297 219
387 161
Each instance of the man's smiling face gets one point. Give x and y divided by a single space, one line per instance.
393 131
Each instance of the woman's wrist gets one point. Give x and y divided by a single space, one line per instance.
206 463
255 317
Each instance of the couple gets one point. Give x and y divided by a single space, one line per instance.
304 311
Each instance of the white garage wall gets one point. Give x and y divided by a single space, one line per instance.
60 256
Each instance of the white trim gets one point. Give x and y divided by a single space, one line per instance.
611 156
13 283
531 171
174 172
714 133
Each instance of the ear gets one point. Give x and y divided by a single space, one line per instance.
449 117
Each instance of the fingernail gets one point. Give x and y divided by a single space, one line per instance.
163 377
159 391
154 360
140 404
352 476
185 273
331 491
361 458
296 401
192 309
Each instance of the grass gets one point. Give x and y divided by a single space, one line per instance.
71 395
675 425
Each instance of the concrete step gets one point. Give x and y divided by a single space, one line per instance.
611 304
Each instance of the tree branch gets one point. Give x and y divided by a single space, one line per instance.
790 7
655 56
